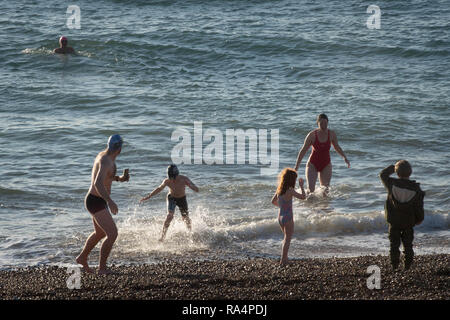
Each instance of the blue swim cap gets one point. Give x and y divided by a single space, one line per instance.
115 142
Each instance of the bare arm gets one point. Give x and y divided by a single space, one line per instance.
156 191
125 177
275 200
306 144
301 196
190 184
99 185
338 149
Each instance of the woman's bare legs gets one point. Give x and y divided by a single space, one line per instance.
325 176
91 242
311 176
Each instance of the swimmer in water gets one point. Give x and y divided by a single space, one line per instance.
63 48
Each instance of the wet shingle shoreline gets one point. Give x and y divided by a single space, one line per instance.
251 279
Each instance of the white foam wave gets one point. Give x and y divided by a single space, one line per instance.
41 50
140 233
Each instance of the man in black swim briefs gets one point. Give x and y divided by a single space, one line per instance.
99 203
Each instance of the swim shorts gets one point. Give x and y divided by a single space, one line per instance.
172 202
94 204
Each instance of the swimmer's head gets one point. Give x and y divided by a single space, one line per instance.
63 41
172 171
115 142
322 121
403 169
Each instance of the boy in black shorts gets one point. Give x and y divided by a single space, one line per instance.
176 197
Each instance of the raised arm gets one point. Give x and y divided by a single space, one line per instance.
190 184
338 149
156 191
306 144
123 178
384 176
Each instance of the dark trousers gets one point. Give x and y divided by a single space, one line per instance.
397 236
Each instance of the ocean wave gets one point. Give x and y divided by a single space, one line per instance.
11 191
214 231
42 50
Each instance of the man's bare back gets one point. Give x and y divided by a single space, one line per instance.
108 167
177 186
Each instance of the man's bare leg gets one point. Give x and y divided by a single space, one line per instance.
166 225
311 176
91 242
106 223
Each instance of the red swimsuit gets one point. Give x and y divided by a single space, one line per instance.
320 155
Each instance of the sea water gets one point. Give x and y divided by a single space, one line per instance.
145 69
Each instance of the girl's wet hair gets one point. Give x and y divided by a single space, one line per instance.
286 180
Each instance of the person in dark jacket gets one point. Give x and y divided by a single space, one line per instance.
403 210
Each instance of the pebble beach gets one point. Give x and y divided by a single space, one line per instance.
245 279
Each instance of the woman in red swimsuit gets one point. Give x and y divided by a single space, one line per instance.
319 162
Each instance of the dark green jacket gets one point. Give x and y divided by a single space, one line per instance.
399 213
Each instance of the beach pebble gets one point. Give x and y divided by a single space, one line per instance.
333 278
